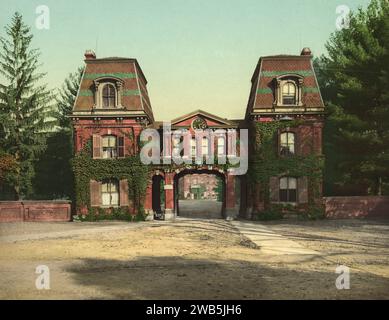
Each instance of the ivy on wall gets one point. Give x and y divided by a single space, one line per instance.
265 161
85 168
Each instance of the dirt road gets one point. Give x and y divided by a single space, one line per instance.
191 259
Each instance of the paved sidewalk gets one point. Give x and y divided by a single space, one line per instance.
270 242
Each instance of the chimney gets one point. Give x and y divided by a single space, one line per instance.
89 55
306 52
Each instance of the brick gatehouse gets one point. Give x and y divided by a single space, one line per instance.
113 101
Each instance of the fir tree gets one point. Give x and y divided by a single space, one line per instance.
54 176
354 78
24 104
67 97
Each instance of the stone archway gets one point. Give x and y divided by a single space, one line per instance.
197 206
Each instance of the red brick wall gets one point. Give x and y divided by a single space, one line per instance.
84 129
357 207
11 211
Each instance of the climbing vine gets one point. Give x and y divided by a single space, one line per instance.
85 168
265 162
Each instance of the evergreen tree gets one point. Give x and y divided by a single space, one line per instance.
24 104
54 176
354 79
67 97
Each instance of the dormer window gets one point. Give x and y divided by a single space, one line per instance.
108 93
289 91
109 96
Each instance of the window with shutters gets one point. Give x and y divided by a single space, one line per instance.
287 143
288 189
110 193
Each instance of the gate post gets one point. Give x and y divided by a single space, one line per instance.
149 201
169 196
231 209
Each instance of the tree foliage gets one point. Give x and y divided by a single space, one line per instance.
67 97
25 111
354 80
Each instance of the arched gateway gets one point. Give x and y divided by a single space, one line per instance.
112 108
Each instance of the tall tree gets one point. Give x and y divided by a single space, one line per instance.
54 176
354 77
67 97
24 104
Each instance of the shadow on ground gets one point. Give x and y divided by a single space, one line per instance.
184 278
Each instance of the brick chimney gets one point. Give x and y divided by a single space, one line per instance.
89 55
306 52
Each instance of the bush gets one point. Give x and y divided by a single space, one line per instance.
272 213
112 214
279 211
314 212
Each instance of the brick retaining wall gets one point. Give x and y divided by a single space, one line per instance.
357 207
11 211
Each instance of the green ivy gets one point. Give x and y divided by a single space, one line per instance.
85 168
265 162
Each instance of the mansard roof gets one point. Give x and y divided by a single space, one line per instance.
135 97
269 68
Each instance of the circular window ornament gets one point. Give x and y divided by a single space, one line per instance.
199 124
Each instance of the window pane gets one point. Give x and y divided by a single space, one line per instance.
205 146
283 195
193 147
291 88
114 199
284 138
105 199
112 141
284 183
292 195
113 187
292 183
285 89
106 91
220 146
290 137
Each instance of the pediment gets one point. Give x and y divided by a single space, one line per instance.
200 120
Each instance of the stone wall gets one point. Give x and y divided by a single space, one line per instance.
11 211
357 207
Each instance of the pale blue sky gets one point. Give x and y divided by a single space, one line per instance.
195 54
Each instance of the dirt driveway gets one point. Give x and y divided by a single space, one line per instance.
191 259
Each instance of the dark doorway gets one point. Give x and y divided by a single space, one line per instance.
158 196
200 194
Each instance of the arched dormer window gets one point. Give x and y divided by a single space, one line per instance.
109 96
289 93
289 90
108 93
